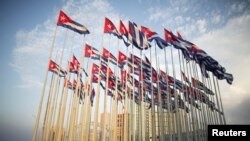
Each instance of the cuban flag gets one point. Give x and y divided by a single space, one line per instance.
148 32
123 32
67 22
151 35
109 27
137 37
55 68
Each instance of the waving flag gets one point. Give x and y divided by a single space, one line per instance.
72 68
223 75
154 75
147 60
111 84
68 84
207 63
74 65
138 38
107 55
121 59
163 77
161 43
94 78
125 76
91 52
55 68
179 35
75 62
106 70
148 32
169 36
67 22
95 69
135 59
109 27
124 32
178 43
74 84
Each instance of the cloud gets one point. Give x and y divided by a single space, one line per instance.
155 14
230 46
175 15
239 6
240 113
202 25
30 56
216 17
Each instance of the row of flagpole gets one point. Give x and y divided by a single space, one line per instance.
70 119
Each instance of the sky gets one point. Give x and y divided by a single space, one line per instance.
221 28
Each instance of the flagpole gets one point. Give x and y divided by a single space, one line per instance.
115 115
212 97
96 115
162 130
43 89
88 107
196 94
133 119
62 108
204 107
76 99
69 110
168 97
63 101
97 104
223 114
175 96
85 105
219 117
142 104
196 75
111 102
209 102
189 92
209 112
54 103
183 89
105 98
159 110
48 106
217 98
47 111
218 113
126 124
49 127
192 102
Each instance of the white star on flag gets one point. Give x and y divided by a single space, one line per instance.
109 26
62 18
